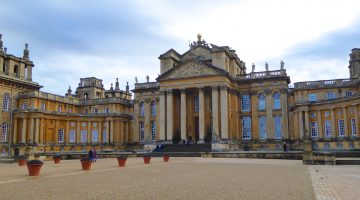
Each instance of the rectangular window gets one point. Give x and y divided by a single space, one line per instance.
196 103
262 127
348 93
153 130
330 95
314 129
70 110
245 103
107 110
141 131
83 136
104 138
277 126
312 97
95 111
341 125
59 108
72 136
43 106
246 128
353 126
327 128
95 136
24 106
61 135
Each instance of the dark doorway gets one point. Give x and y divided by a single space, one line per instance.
196 129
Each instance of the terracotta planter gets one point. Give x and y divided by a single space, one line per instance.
22 161
86 164
166 158
121 162
57 160
147 159
34 167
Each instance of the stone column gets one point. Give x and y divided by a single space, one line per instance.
346 123
320 125
162 116
41 140
29 72
78 132
15 132
67 132
201 115
89 130
183 114
56 132
23 131
224 113
37 128
126 132
111 135
107 132
357 122
147 124
269 116
333 123
169 115
215 110
307 124
284 113
31 131
101 128
301 124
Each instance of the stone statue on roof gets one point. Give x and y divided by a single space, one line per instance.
253 67
136 80
282 64
267 66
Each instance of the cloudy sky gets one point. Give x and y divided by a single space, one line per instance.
109 39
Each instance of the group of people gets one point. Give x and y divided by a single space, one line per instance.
93 154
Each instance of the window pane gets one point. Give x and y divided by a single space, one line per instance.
262 127
262 101
245 102
246 127
277 125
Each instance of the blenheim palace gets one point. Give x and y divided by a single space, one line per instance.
205 95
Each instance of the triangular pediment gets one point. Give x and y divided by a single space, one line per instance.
190 69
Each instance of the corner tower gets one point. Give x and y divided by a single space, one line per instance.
354 63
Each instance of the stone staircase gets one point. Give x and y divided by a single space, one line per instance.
187 148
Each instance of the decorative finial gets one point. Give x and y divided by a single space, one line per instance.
136 80
69 90
199 36
253 67
5 49
267 66
117 87
282 64
26 52
127 87
111 87
147 78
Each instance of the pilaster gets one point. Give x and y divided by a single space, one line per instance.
183 114
215 111
162 115
169 115
201 114
224 113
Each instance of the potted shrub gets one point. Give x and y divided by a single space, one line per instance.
34 167
122 160
21 160
57 159
166 157
147 158
85 163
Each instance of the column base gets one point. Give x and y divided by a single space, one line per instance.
149 147
201 142
168 142
221 145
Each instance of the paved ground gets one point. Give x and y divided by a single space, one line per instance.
181 178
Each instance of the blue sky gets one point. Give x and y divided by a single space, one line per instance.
109 39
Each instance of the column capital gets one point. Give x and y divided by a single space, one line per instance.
223 87
162 92
268 91
183 91
169 91
283 90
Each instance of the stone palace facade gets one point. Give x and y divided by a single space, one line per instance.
204 95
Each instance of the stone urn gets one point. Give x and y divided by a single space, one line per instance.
34 167
85 163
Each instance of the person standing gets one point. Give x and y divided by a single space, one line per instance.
94 154
285 147
91 154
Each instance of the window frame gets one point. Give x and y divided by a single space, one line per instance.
142 108
314 130
4 132
61 135
141 132
6 102
278 127
341 128
246 128
153 130
262 127
276 100
245 103
327 128
261 101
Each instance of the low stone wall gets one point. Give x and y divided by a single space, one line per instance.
295 155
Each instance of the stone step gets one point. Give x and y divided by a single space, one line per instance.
348 161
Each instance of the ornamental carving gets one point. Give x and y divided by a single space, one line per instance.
268 91
191 69
283 90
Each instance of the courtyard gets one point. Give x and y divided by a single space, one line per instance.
181 178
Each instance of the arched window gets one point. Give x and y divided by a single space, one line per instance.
276 97
43 106
6 101
86 96
16 70
4 130
262 101
142 109
153 108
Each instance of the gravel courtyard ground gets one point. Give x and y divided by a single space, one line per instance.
181 178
